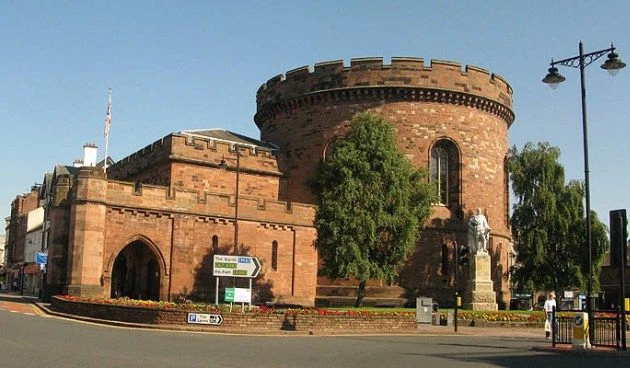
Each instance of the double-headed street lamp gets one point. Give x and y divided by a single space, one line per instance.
223 165
553 78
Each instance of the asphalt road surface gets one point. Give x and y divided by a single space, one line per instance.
29 338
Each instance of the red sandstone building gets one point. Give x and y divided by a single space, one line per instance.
150 226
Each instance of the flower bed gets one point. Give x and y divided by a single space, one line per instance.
255 319
265 318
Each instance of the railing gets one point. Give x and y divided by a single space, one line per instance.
606 328
561 329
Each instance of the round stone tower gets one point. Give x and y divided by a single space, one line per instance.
450 120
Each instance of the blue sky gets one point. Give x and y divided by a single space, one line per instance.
197 64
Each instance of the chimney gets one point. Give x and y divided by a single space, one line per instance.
89 154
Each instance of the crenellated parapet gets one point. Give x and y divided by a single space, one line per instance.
210 152
157 148
164 201
405 79
153 163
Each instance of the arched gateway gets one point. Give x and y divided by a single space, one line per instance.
136 272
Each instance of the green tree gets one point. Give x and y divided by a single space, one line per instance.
548 223
371 203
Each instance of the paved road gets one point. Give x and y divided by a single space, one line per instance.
30 339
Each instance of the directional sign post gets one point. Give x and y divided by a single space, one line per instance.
41 258
236 266
204 319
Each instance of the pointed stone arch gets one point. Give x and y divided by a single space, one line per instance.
138 270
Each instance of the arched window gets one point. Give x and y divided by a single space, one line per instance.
215 244
274 255
330 147
444 169
439 173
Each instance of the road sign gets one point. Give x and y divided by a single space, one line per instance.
41 258
205 319
229 295
236 266
238 295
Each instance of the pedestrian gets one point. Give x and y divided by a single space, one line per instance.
548 308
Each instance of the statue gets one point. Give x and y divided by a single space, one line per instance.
478 233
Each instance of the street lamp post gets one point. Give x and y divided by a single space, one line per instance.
223 164
554 78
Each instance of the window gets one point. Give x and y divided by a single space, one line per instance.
444 166
439 173
330 147
274 255
215 244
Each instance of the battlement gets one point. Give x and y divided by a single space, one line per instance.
162 200
207 151
372 72
147 150
214 150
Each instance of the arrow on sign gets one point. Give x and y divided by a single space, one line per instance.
205 319
236 266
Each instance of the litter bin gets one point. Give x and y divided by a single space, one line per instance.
424 310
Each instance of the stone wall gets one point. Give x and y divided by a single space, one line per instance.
238 321
304 110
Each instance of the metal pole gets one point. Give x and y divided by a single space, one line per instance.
216 290
238 171
587 194
622 266
456 284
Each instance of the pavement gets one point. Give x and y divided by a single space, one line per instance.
534 334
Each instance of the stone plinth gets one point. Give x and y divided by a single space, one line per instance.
480 293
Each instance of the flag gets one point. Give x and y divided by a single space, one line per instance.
108 115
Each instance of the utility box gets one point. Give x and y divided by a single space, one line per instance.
424 309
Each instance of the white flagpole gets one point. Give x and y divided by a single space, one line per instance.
108 123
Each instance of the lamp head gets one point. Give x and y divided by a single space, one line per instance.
613 64
223 164
553 78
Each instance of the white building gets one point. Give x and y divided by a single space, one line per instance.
32 246
2 261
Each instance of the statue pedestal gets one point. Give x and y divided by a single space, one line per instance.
480 293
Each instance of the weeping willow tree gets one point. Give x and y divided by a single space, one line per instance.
548 224
371 203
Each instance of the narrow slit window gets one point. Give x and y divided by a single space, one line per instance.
274 255
215 244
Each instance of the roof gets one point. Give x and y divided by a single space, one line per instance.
231 137
65 170
101 163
